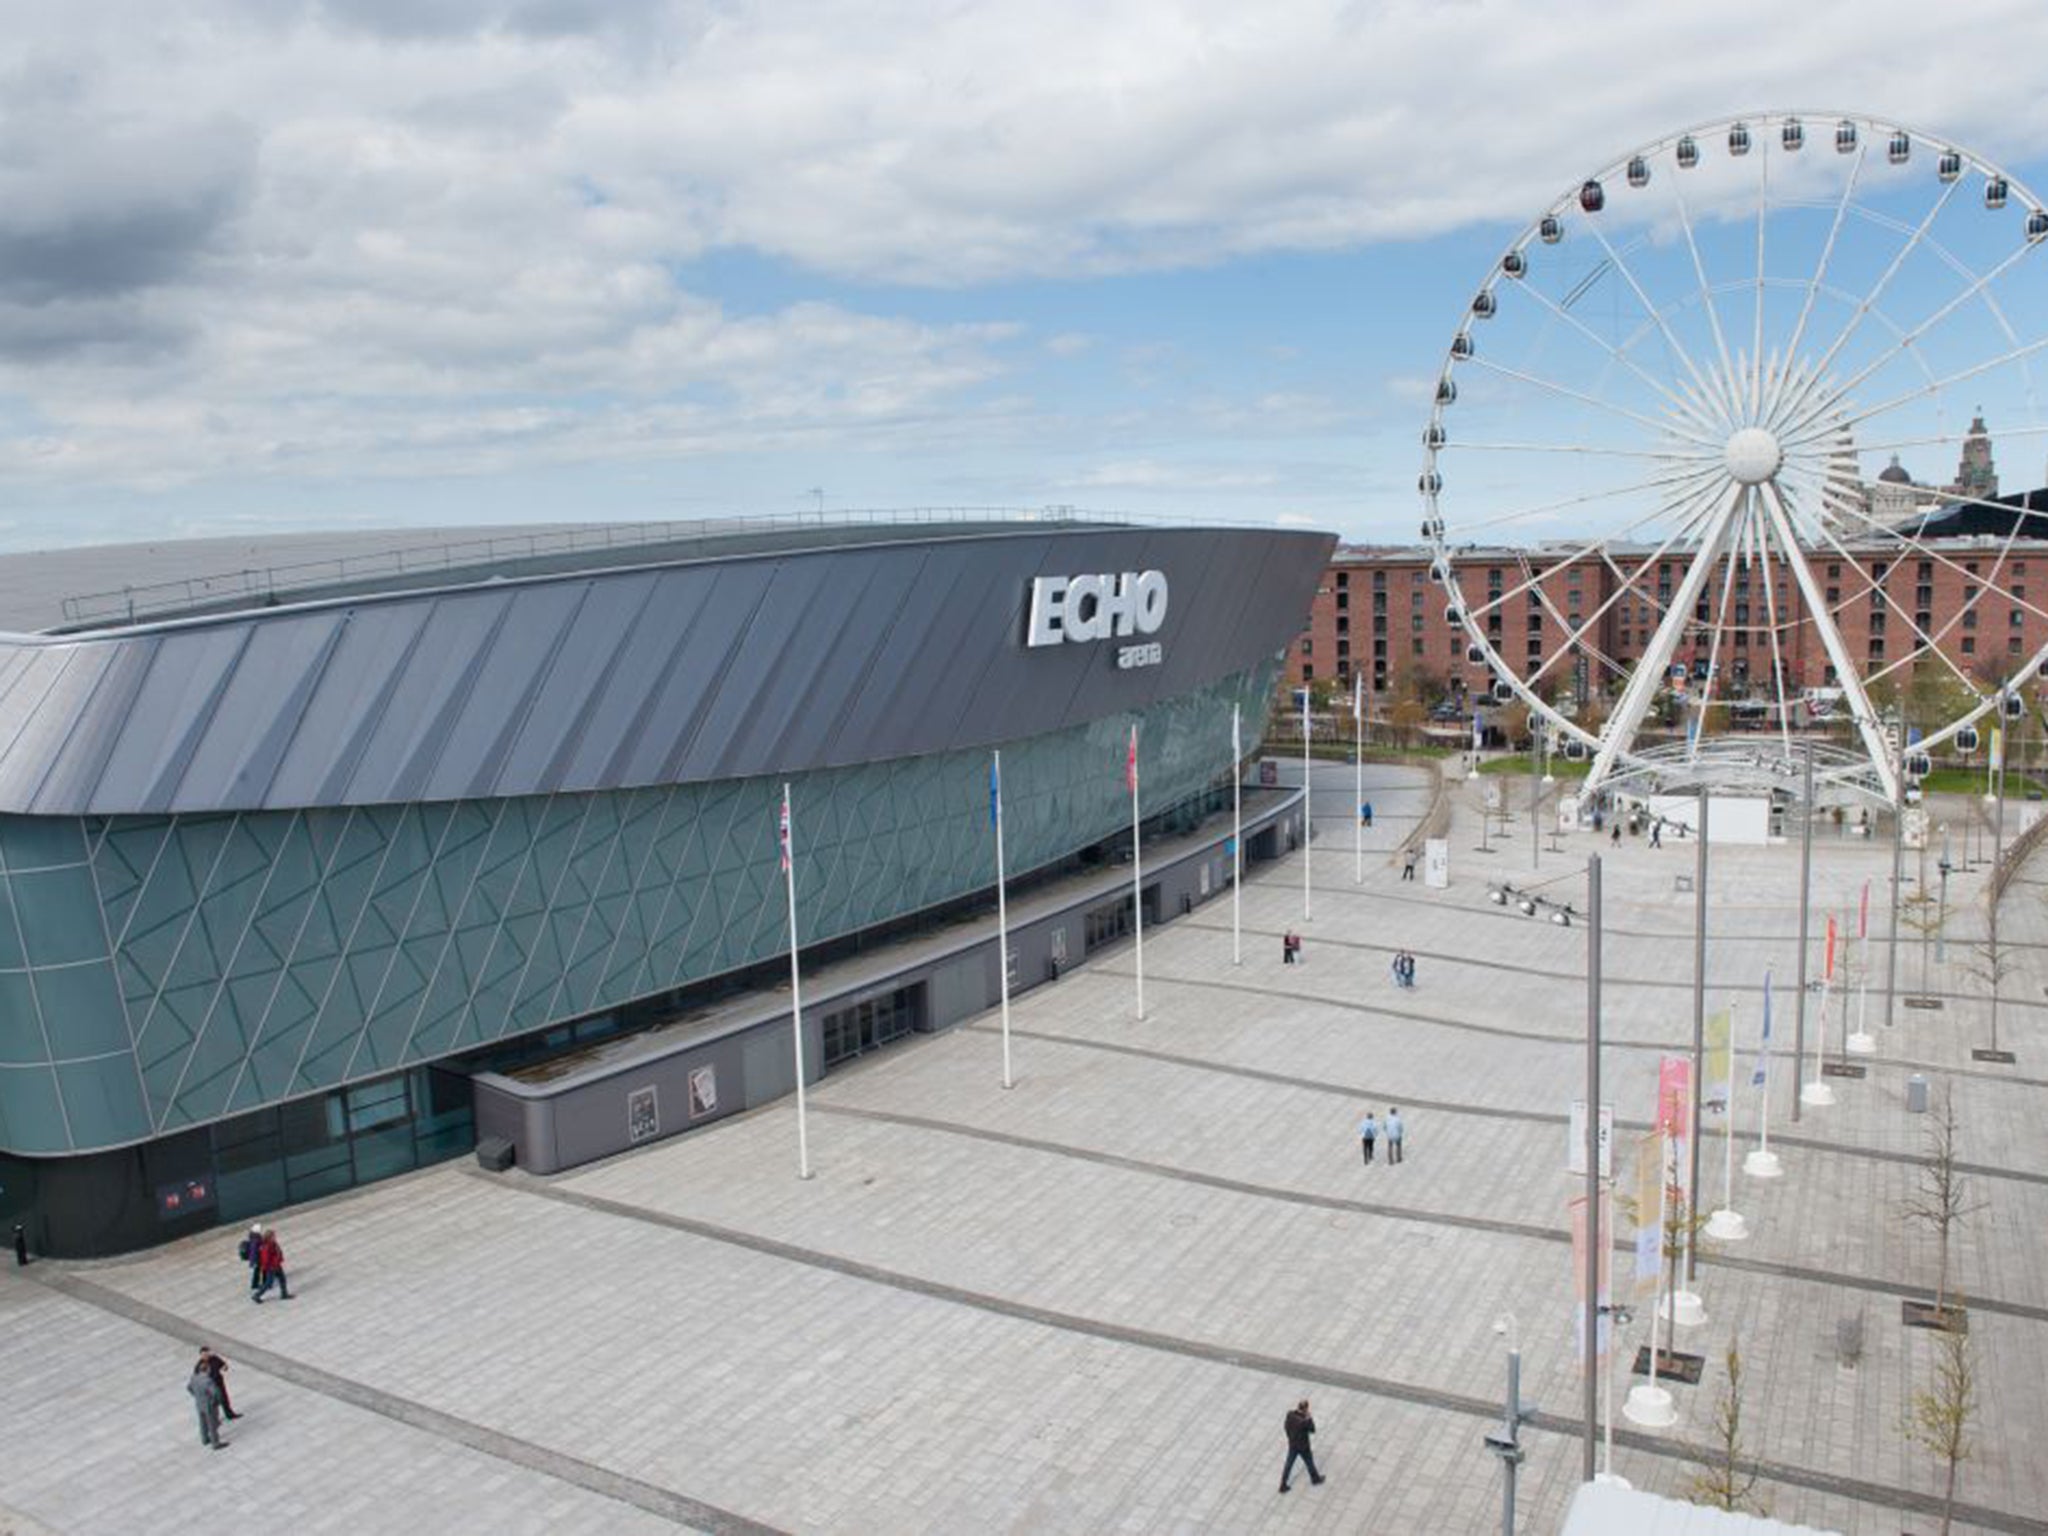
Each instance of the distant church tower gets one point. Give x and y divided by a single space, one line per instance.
1976 474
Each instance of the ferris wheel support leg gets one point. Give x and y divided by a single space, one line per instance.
1649 673
1846 676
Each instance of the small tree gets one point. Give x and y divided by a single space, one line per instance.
1724 1480
1938 1417
1922 913
1992 964
1942 1201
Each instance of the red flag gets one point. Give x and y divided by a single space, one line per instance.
1131 763
783 830
1863 915
1829 970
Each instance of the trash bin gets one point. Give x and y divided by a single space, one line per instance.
1916 1094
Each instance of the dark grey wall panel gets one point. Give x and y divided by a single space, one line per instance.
764 664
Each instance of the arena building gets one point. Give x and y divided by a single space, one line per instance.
294 856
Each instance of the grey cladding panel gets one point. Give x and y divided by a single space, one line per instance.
758 665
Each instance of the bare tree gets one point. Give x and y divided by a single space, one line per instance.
1992 964
1938 1418
1942 1201
1921 913
1724 1480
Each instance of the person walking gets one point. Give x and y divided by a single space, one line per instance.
1365 815
1614 836
273 1268
1368 1133
217 1368
251 1250
206 1398
1395 1130
1300 1427
1657 833
1408 865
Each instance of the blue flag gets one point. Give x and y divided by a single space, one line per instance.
995 795
1763 1049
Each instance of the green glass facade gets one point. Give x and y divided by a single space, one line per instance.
159 973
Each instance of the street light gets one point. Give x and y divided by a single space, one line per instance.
1507 1445
1941 923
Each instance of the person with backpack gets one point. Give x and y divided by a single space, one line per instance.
251 1253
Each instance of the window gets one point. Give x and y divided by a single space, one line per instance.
1343 580
2012 646
1834 596
1415 598
1343 625
1876 651
1308 673
1535 623
1308 646
1969 618
1343 601
1834 574
1415 622
1379 623
1970 567
1343 650
2014 619
1379 581
1877 623
1416 646
1624 639
1969 645
1924 595
1926 570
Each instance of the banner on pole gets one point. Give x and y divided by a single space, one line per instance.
995 794
1649 1184
1717 1061
1577 1207
782 829
1863 914
1761 1073
1828 969
1674 1095
1575 1159
1131 759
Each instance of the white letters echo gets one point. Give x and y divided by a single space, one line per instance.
1096 607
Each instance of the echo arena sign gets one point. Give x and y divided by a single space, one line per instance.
1080 608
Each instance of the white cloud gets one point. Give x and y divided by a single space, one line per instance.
240 237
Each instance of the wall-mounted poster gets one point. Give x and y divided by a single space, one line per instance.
703 1091
643 1114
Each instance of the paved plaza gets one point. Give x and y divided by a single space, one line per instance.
1084 1304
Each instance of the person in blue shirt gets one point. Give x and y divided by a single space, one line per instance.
1394 1130
1368 1132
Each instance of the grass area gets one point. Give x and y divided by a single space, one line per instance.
1340 751
1564 768
1957 781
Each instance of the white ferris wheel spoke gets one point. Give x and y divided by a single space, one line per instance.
1910 337
1671 481
1831 640
1719 621
1648 676
1756 358
1677 402
1535 381
1817 283
1727 375
1937 385
1663 455
1657 318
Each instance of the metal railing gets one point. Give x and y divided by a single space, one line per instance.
259 584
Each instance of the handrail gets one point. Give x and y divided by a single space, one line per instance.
151 599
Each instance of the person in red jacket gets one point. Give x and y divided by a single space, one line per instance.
273 1268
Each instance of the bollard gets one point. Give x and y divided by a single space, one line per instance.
20 1247
1916 1094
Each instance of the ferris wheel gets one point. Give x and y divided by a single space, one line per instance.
1709 472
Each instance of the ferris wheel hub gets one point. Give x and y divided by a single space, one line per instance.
1752 456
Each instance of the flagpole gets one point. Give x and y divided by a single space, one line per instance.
1308 829
1763 1163
1358 768
1137 874
796 997
1236 837
1727 1225
1860 1043
995 811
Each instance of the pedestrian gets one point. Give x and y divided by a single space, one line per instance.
1394 970
1368 1132
206 1398
1614 837
273 1268
1395 1130
217 1368
1408 865
1657 833
251 1251
1300 1427
1365 814
1407 969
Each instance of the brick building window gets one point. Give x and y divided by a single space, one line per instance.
1308 646
1969 645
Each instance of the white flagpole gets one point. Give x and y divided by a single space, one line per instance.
1236 838
995 811
1358 768
1726 1224
1137 879
1308 829
796 996
1763 1163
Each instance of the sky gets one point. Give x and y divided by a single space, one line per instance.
278 266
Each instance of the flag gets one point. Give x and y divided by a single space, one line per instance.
995 794
1357 698
782 833
1649 1192
1236 743
1478 733
1863 914
1997 747
1674 1095
1763 1047
1828 969
1131 758
1717 1061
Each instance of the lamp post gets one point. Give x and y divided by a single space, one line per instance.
1941 918
1507 1445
